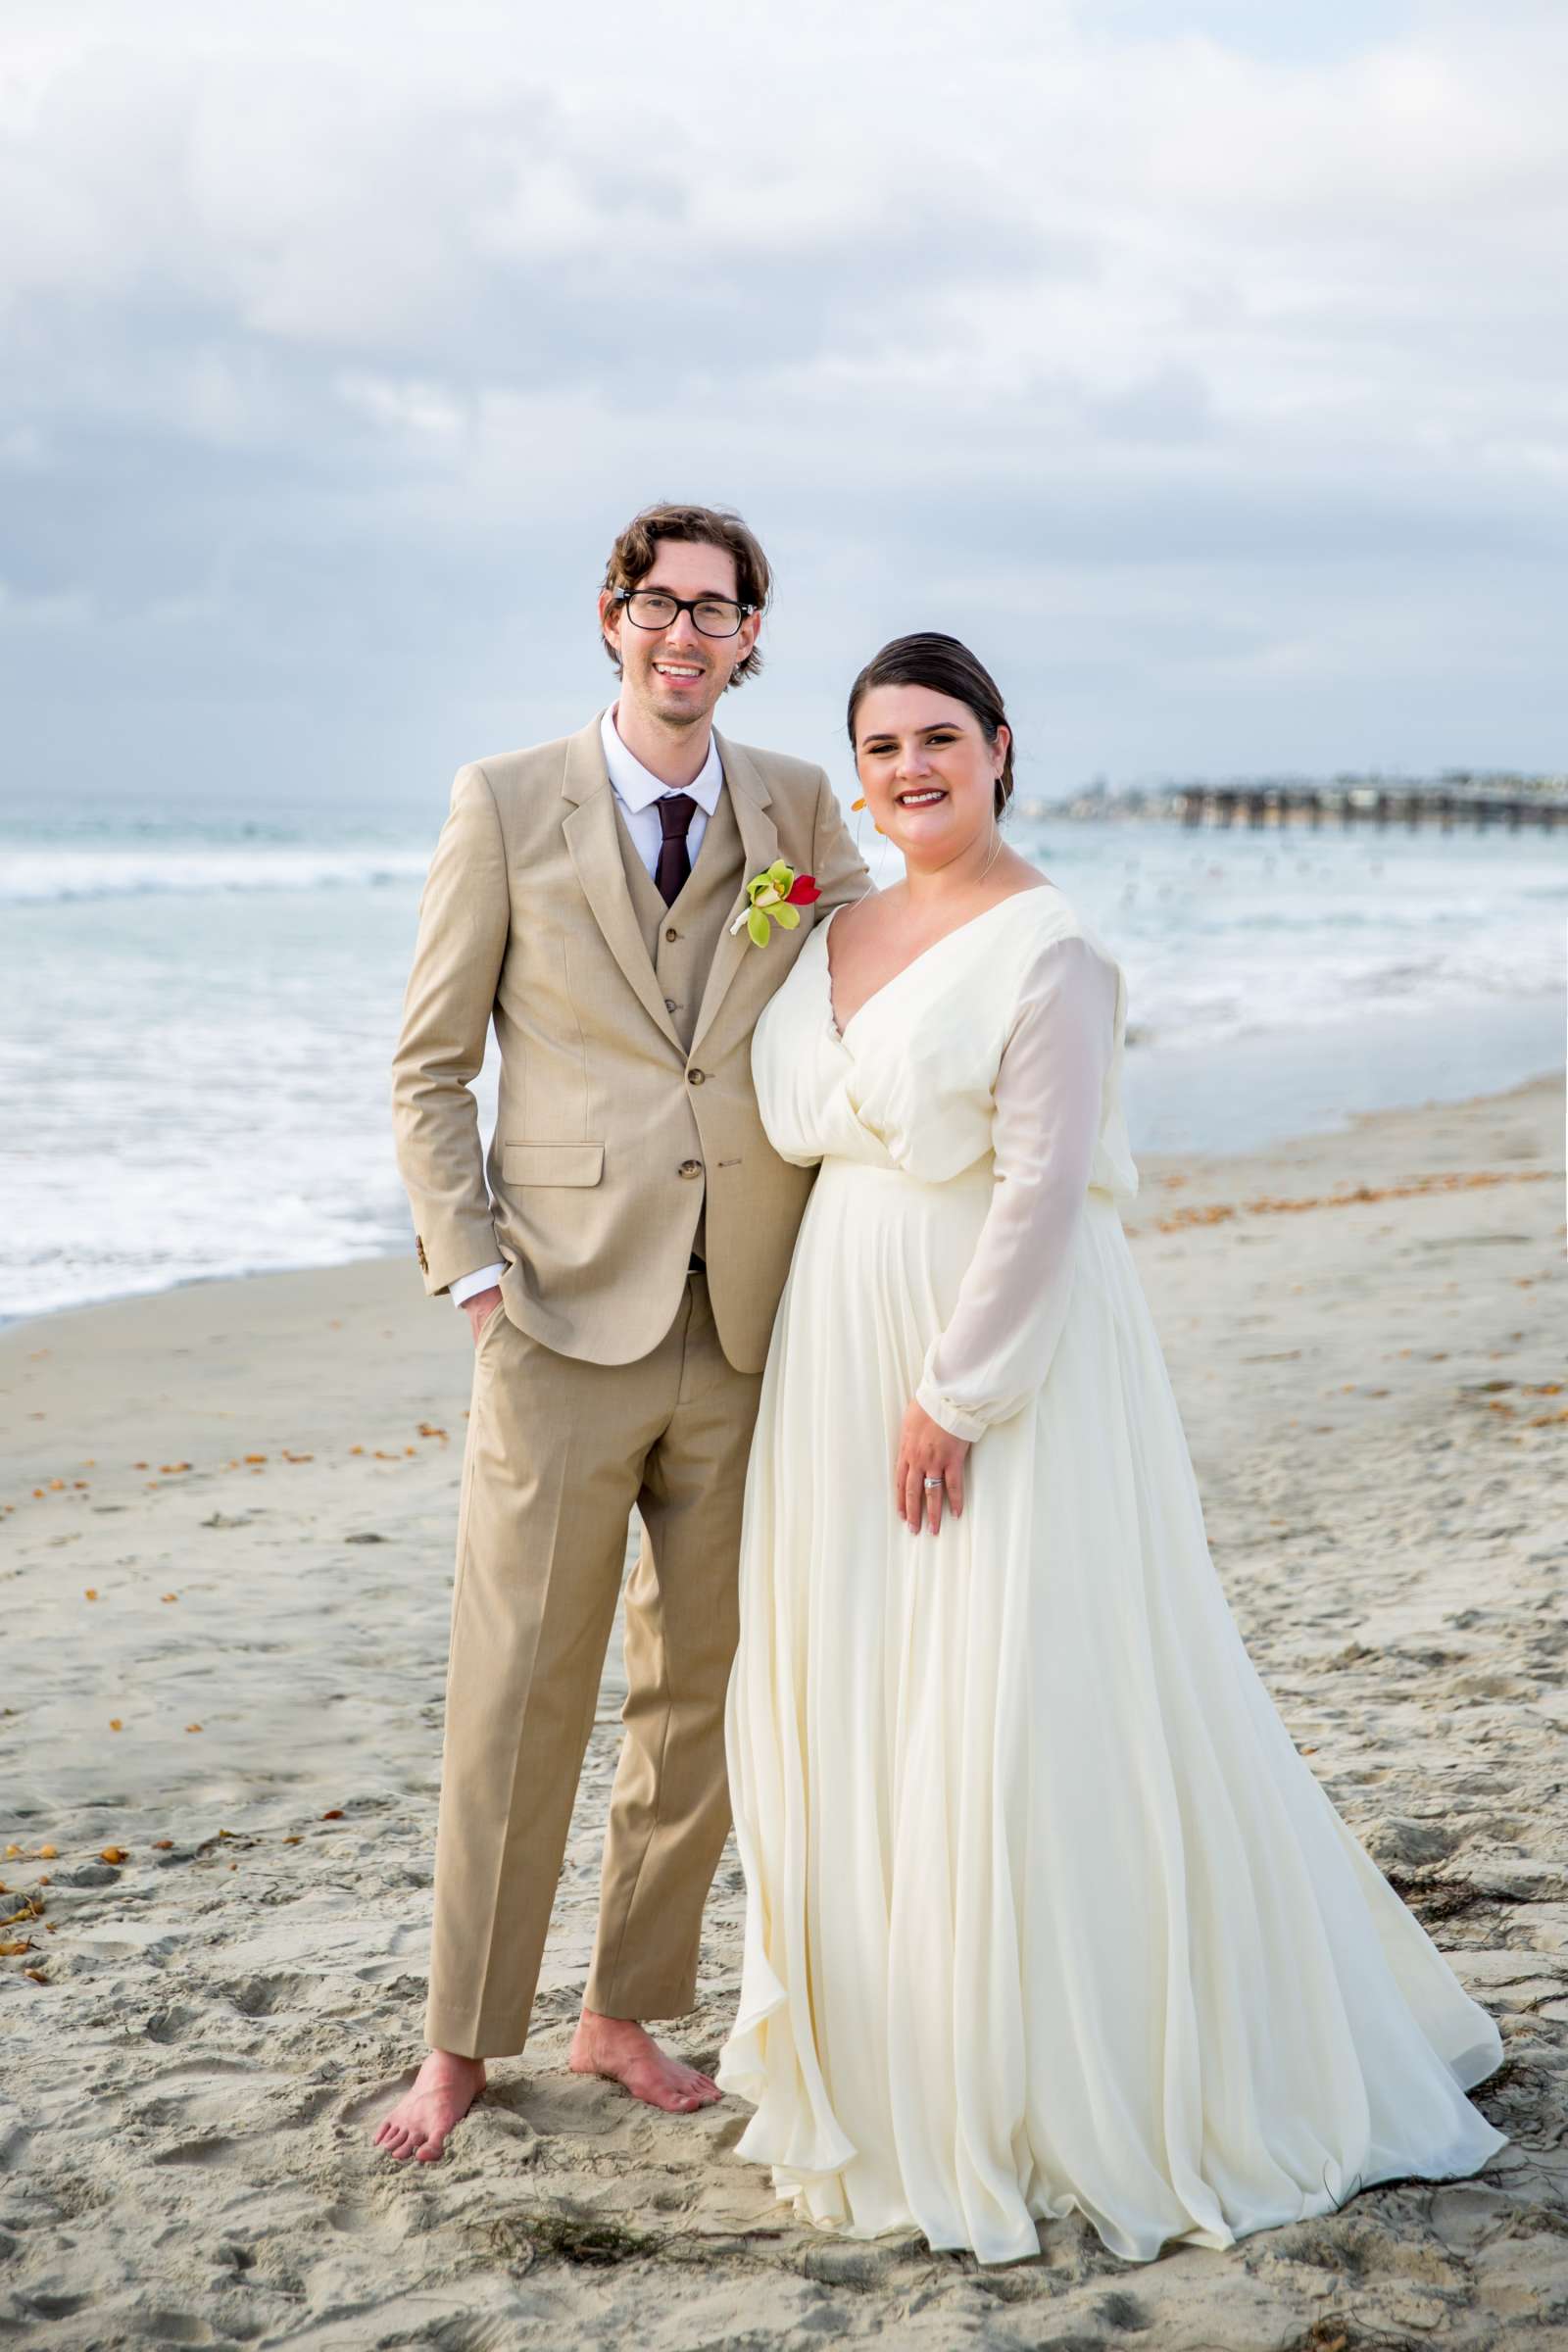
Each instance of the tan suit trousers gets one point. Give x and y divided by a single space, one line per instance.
560 1452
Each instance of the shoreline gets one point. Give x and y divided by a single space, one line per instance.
1344 1124
227 1513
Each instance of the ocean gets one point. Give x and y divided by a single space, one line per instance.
198 1018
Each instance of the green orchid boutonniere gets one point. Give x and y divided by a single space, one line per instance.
774 896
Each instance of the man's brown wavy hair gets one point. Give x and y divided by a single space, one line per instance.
631 559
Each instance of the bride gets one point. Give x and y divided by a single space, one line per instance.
1044 1912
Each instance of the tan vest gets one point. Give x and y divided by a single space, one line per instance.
683 939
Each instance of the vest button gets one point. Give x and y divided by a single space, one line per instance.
690 1167
669 1004
672 933
696 1076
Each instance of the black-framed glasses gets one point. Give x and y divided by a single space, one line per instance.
655 609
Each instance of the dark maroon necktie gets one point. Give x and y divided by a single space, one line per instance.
675 813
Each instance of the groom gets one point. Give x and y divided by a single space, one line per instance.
620 1253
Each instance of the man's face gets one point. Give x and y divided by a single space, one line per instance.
675 675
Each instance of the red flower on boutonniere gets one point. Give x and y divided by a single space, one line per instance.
775 895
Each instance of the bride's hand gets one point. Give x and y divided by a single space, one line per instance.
927 1451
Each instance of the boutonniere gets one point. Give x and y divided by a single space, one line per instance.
774 896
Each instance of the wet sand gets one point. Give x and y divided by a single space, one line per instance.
225 1532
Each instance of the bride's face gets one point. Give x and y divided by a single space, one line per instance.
928 773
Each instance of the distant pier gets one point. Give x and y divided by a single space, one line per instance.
1315 805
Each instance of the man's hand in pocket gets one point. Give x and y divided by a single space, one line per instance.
480 1309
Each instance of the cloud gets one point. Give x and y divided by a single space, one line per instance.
1195 357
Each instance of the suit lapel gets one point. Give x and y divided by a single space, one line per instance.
750 799
589 827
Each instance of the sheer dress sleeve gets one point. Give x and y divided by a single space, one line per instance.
1012 1302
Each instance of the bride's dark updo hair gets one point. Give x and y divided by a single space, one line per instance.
948 668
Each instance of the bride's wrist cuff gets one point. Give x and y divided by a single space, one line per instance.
949 1416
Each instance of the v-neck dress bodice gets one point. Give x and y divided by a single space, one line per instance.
1045 1911
909 1079
991 1064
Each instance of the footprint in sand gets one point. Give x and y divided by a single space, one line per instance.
195 2151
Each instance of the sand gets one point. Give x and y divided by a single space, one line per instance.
224 1577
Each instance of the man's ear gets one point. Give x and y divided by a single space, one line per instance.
754 624
610 622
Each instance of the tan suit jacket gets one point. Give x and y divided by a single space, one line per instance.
623 1122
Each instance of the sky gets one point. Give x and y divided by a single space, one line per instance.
1206 369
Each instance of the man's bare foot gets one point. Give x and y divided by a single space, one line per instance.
623 2052
439 2096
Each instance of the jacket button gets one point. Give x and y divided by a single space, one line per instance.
696 1076
672 933
690 1167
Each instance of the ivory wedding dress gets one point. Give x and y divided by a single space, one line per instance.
1045 1911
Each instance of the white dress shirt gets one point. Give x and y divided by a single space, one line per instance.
636 789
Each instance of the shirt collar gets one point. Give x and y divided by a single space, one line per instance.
639 788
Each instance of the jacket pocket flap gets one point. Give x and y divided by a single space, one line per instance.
552 1163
